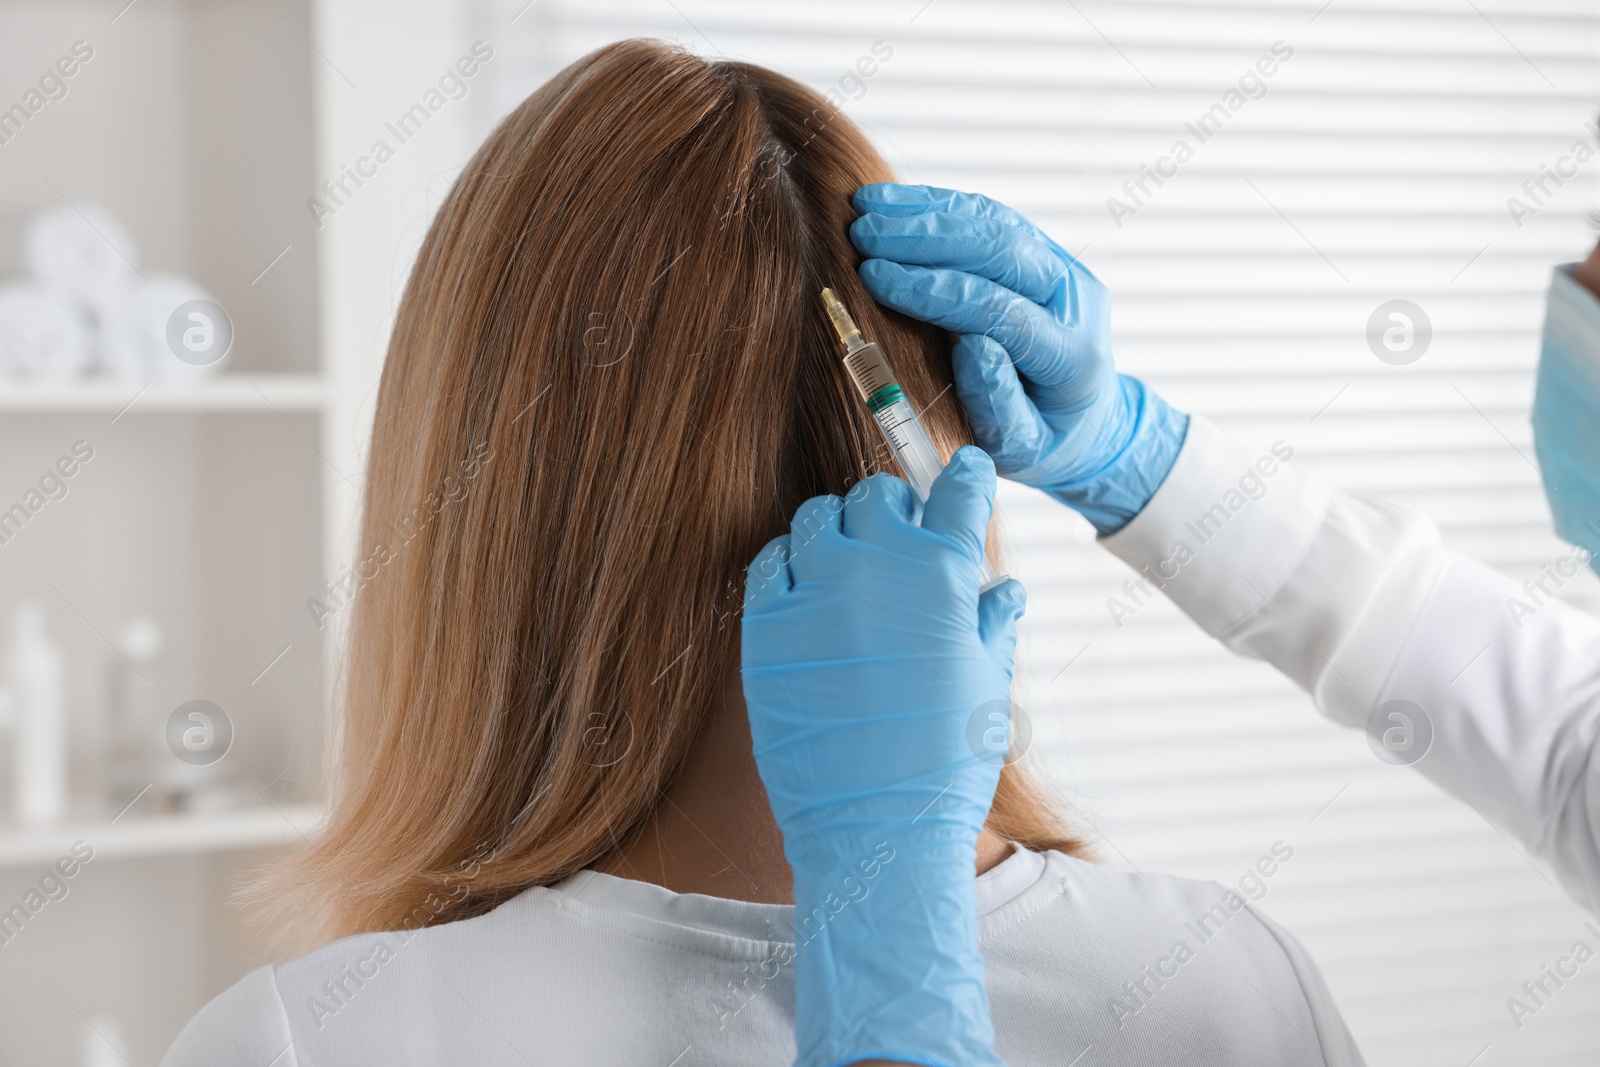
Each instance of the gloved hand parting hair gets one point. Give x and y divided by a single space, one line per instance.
867 655
1033 364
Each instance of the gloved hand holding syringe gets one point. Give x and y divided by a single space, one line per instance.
891 409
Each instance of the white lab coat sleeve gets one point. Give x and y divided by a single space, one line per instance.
1510 681
1357 602
1279 566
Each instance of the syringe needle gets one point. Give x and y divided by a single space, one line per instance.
843 324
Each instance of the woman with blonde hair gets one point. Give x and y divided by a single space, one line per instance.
549 840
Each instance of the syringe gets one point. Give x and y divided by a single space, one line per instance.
868 368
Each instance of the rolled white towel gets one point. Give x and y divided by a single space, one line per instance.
141 337
45 333
83 248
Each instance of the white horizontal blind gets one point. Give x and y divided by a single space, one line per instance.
1374 162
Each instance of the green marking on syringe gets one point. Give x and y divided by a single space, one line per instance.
885 396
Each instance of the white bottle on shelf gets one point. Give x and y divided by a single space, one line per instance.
38 712
133 732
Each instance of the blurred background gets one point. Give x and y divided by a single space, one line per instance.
205 176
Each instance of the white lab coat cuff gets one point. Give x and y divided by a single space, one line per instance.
1279 566
1225 530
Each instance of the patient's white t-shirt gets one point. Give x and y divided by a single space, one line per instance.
1086 967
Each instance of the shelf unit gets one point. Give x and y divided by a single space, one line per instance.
169 835
216 508
226 392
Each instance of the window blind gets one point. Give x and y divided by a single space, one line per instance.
1337 156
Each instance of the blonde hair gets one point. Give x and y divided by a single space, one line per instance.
609 384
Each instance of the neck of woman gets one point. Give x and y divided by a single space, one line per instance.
713 832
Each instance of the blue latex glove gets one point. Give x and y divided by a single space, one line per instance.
869 662
1033 364
1566 436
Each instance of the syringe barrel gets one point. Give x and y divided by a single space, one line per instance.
869 370
913 449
